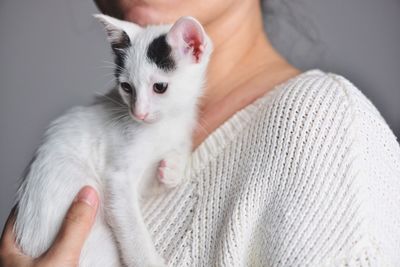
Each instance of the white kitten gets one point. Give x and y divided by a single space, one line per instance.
117 144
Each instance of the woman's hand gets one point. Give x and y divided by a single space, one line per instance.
67 247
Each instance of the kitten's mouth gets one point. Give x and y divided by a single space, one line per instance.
143 119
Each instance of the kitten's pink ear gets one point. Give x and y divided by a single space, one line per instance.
118 31
188 39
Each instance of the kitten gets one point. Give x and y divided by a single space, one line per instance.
137 136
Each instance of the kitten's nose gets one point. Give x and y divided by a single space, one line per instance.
142 116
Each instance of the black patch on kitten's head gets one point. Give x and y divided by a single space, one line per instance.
160 53
119 47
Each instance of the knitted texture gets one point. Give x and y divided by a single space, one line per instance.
307 175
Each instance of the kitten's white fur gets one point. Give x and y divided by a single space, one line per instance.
102 146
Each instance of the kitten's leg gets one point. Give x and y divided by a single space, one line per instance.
171 170
126 221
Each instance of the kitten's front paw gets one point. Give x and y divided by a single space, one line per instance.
170 172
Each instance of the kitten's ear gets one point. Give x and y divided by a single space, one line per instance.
188 38
119 32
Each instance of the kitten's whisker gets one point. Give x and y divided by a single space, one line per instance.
110 74
109 98
116 119
106 67
109 82
110 63
118 109
115 66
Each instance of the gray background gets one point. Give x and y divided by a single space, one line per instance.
53 53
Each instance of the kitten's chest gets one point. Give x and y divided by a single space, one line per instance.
155 139
140 147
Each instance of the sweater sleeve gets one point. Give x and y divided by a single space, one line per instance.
374 161
336 200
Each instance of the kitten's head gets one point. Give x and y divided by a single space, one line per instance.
160 69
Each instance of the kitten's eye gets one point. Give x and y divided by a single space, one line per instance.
126 87
160 88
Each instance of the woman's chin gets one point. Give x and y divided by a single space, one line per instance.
143 16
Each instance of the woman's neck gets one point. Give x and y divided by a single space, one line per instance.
241 50
243 66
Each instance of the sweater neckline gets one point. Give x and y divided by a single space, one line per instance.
229 129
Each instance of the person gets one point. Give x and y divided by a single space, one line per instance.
288 168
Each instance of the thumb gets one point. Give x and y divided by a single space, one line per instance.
75 229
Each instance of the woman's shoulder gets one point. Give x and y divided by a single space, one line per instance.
315 89
322 100
326 148
306 106
319 109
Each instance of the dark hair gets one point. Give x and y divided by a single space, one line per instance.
110 8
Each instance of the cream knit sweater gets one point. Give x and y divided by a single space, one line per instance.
308 175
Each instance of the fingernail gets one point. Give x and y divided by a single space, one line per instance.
88 195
